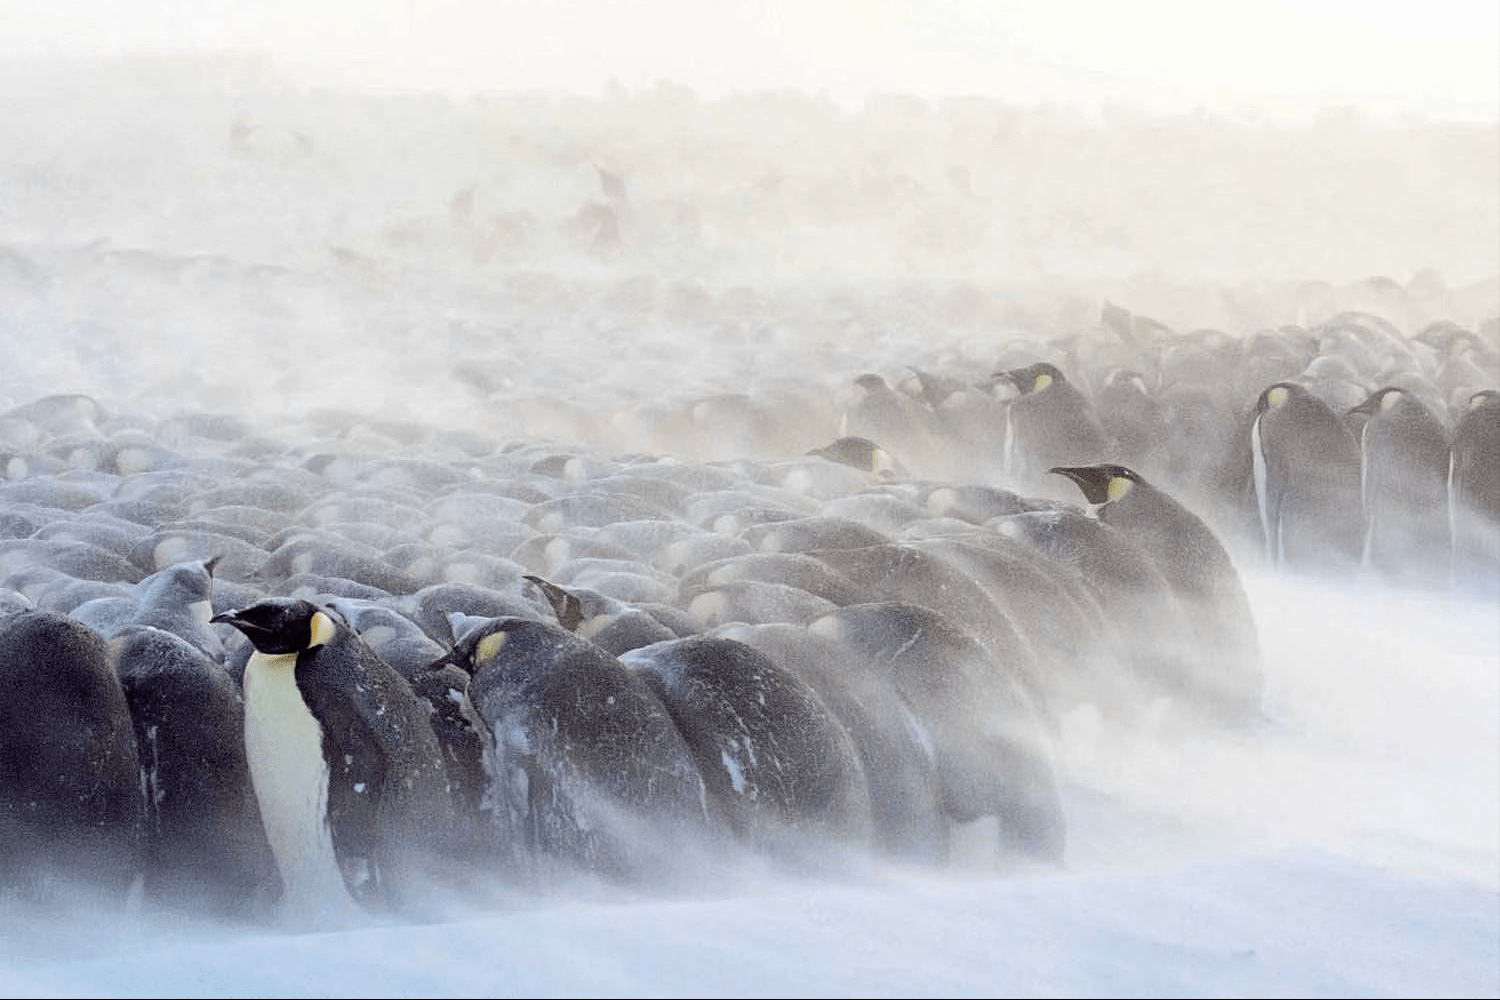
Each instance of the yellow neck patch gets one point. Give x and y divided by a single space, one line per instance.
1277 396
1118 487
323 629
488 648
1042 381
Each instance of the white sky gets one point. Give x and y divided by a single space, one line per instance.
1439 57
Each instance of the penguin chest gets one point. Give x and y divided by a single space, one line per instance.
284 746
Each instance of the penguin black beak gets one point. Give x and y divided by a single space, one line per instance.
1093 481
1367 408
1009 378
566 606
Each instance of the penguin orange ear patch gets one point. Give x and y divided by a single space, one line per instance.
1042 381
1119 486
488 648
1277 396
322 629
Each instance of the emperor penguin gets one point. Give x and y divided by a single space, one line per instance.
1199 572
613 625
1305 468
778 766
1404 483
860 453
1051 423
206 850
1474 490
587 768
878 412
71 810
344 763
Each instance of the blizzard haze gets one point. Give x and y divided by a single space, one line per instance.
1434 58
594 230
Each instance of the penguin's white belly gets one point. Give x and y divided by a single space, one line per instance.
1262 500
284 744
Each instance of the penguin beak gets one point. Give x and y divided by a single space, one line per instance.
1016 379
566 606
1092 481
260 637
1367 408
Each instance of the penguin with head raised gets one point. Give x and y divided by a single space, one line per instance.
344 763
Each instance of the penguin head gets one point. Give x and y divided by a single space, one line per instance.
872 384
482 644
1379 401
282 625
1485 399
857 453
1276 395
1034 378
934 389
565 605
1101 483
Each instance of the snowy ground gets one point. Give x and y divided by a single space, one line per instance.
1350 849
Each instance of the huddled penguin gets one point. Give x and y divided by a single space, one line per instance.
1051 423
780 768
1201 575
1305 470
344 763
898 765
1131 416
1404 480
877 412
1474 491
179 599
612 625
588 769
206 850
72 816
860 453
989 736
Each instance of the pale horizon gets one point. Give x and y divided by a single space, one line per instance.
1280 60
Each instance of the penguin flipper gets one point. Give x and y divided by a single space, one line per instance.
356 789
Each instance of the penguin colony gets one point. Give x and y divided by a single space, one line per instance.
321 679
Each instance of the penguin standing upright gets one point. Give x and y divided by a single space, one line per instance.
1199 572
1404 481
1305 469
1051 423
344 763
1474 491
